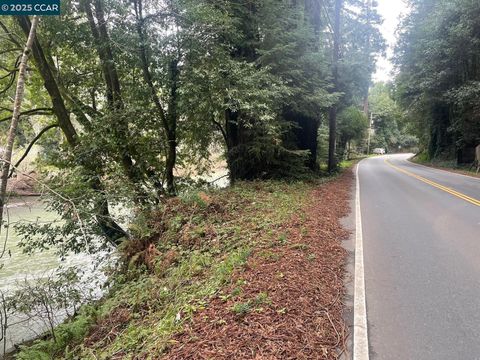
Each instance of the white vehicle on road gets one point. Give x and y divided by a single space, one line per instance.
379 151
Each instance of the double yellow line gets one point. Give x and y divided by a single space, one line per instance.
434 184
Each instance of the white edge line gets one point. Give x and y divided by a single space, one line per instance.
442 170
360 329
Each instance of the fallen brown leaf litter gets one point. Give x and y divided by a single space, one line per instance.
288 302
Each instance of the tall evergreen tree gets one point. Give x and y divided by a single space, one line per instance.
438 81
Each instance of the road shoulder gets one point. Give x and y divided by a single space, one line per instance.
289 301
451 170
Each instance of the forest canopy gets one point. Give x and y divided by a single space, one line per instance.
121 96
438 81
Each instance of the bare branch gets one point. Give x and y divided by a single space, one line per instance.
4 247
9 73
10 35
10 83
39 111
56 193
43 131
220 127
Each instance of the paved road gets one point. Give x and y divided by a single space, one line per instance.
422 261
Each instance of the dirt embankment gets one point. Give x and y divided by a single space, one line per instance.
288 302
23 185
254 271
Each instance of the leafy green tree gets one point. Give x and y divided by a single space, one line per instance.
352 126
130 92
392 130
6 156
359 42
438 76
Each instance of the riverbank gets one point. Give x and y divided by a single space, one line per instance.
256 270
23 185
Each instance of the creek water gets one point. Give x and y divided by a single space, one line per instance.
18 266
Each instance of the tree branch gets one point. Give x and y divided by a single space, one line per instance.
72 204
12 79
147 75
39 111
43 131
220 127
10 35
9 73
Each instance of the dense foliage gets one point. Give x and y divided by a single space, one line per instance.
392 131
123 97
126 100
439 74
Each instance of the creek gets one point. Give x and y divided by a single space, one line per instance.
18 266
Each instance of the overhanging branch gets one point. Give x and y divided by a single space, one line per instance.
43 131
39 111
10 35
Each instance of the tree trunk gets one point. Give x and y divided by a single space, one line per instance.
304 135
231 140
106 55
366 103
113 93
169 121
172 125
50 85
111 230
170 165
17 104
368 47
332 161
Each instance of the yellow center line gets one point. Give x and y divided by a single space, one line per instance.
434 184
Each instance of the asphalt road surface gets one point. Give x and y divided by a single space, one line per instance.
421 239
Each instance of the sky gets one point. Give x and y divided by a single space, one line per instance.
391 12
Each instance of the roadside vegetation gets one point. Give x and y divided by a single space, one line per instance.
390 123
438 80
128 107
450 165
199 250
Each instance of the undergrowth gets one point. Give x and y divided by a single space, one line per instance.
447 164
182 255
